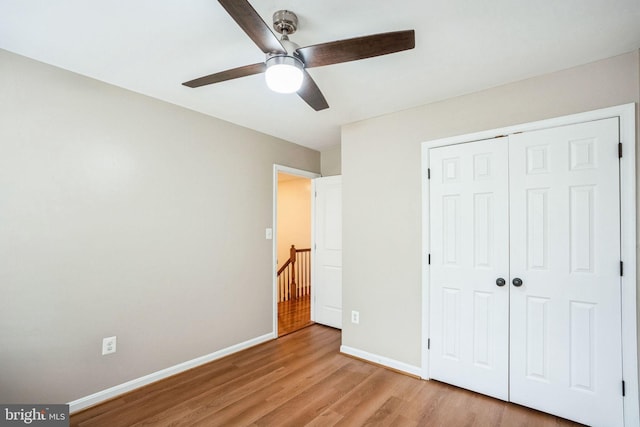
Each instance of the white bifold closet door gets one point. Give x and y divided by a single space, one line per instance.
566 348
557 339
469 252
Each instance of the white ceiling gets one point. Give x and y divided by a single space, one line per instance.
462 46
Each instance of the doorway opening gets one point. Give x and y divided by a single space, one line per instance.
292 247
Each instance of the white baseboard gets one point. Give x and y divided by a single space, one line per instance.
381 360
101 396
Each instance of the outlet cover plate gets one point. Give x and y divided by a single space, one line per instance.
108 345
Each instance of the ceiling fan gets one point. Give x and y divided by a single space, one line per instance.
286 63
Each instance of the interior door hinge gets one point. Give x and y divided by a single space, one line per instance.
621 268
620 150
623 390
429 347
428 173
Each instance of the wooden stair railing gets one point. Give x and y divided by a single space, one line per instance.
294 277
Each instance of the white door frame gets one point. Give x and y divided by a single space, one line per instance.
274 271
627 115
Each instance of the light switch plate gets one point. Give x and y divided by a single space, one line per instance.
355 317
268 233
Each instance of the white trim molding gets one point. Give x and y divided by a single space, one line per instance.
110 393
627 120
381 360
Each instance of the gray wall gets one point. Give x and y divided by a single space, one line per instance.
381 170
330 160
123 215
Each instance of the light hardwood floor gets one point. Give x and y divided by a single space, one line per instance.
294 315
302 380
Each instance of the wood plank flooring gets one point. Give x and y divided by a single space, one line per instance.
302 380
294 315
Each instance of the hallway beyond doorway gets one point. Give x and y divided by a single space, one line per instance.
294 314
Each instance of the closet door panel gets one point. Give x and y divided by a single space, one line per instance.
565 344
469 251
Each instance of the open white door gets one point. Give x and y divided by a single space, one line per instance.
326 291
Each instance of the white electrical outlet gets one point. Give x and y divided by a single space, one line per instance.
108 345
355 316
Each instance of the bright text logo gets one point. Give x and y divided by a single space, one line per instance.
36 415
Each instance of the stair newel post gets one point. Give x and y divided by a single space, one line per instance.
292 258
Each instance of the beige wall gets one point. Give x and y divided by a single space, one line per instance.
382 194
294 215
123 215
331 161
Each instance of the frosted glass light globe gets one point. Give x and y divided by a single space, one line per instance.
284 74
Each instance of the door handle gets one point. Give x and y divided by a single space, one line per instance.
517 282
500 282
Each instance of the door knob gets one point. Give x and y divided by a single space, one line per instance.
500 281
517 282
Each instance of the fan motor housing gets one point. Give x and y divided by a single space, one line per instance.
285 22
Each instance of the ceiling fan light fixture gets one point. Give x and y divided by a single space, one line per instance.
284 74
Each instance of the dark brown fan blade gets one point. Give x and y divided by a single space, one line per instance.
233 73
311 94
251 23
357 48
